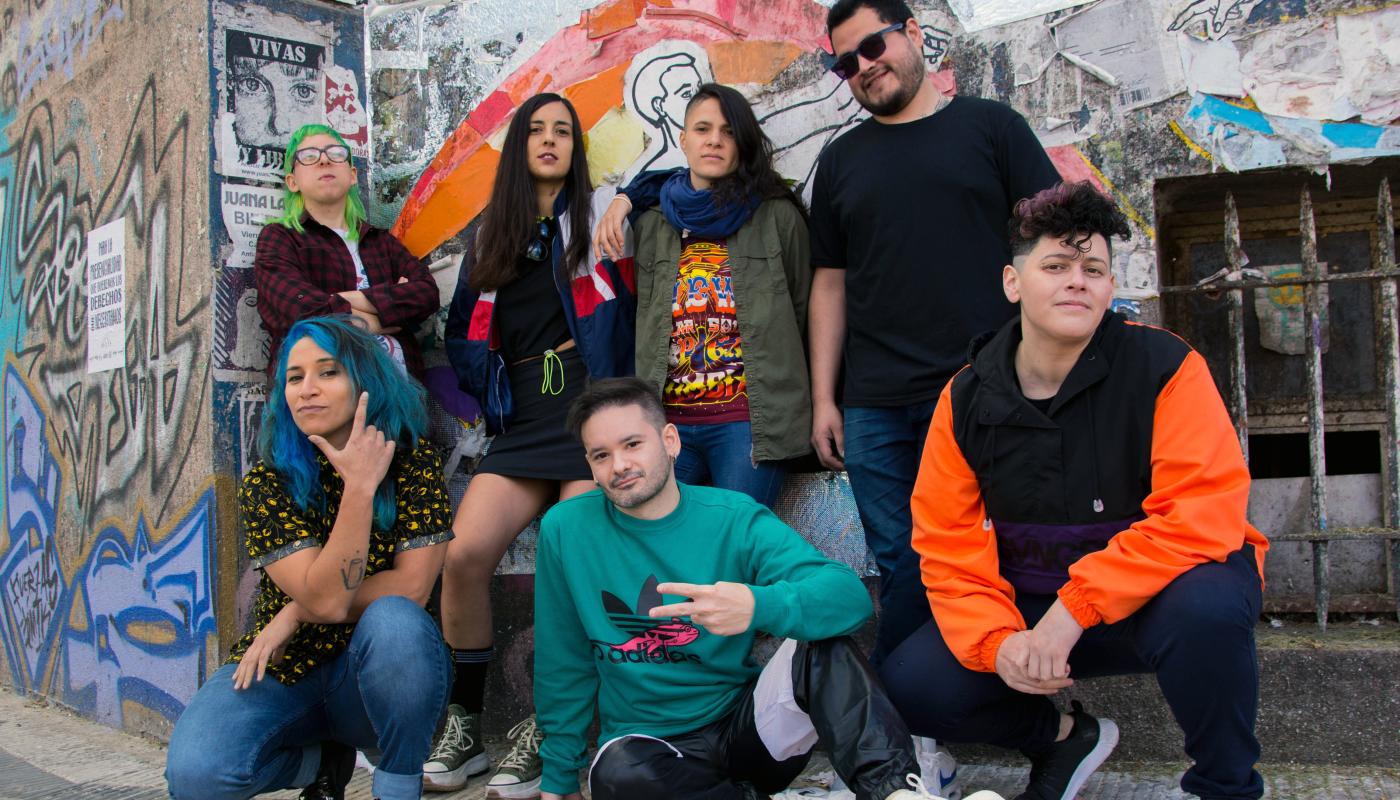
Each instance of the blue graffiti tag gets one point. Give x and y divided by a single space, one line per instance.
31 580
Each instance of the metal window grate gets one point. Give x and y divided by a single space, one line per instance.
1234 280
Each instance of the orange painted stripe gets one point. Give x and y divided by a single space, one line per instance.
456 200
599 94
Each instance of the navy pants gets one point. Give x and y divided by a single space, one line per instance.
883 448
1196 636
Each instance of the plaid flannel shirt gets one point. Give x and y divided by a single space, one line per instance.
298 275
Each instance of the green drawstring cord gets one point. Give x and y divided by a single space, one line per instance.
552 365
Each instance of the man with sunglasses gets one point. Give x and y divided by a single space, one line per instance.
908 216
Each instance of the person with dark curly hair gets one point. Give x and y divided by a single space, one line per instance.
1080 511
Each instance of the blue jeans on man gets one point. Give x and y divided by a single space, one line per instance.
883 448
721 455
387 691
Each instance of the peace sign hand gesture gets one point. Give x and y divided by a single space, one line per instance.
723 608
364 460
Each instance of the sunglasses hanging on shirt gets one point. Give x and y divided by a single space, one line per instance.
538 248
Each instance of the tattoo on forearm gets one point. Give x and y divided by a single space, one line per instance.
352 573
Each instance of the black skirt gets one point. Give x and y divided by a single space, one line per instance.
535 443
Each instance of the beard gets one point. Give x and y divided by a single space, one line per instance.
910 75
649 485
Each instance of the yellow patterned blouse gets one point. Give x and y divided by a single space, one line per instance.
274 527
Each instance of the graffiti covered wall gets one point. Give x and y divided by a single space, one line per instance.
106 583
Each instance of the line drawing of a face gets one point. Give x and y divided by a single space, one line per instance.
661 81
271 99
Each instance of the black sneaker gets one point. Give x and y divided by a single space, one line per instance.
1059 770
337 765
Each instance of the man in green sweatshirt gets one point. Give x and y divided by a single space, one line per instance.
648 594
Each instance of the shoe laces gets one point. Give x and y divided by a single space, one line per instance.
917 785
527 738
454 738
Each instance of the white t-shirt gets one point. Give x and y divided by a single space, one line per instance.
389 343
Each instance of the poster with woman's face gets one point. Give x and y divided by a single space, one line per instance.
272 87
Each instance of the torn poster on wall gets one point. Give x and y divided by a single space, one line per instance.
976 15
273 74
273 87
245 209
106 307
1211 66
1123 40
1335 68
1239 138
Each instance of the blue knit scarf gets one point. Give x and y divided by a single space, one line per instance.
694 212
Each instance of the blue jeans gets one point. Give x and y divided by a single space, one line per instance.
1196 635
883 447
393 678
721 455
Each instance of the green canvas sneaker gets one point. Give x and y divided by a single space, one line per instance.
518 777
458 753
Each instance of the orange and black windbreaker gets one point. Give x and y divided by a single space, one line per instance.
1132 477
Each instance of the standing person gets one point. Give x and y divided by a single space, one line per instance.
321 257
1080 511
347 516
908 216
722 282
531 322
684 713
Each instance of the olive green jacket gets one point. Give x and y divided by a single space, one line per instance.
770 265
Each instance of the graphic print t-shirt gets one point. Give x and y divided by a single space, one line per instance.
705 371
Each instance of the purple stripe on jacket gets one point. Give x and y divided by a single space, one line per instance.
1035 558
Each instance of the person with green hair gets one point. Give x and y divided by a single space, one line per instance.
321 256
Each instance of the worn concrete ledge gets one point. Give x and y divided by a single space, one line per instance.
1325 698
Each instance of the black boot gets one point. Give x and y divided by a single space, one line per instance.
337 765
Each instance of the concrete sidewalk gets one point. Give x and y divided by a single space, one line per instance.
47 752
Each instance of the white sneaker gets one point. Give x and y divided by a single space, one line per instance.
938 768
918 791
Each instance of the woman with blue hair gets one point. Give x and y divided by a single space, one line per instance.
347 517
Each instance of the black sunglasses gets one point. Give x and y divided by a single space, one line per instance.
336 154
538 248
846 66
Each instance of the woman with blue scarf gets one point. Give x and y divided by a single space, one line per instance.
722 279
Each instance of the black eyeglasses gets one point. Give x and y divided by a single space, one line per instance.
336 154
846 66
538 248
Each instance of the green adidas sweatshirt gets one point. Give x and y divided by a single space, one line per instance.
596 572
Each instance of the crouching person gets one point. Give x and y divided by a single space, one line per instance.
347 517
648 594
1080 511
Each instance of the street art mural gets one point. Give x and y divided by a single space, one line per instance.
131 624
125 433
629 69
106 511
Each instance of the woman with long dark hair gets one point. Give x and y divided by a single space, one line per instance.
532 320
347 516
321 256
722 280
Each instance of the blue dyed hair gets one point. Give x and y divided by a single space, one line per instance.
396 408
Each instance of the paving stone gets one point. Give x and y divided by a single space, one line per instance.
48 753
